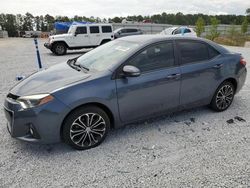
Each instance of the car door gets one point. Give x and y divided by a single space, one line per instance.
81 37
95 36
200 71
156 90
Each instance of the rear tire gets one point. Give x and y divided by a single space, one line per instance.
223 97
59 48
86 127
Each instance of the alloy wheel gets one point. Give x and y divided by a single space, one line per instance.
224 97
87 130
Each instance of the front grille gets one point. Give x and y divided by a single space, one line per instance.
11 96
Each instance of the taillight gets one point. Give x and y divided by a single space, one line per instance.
243 61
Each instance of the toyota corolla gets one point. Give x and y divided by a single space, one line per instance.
123 81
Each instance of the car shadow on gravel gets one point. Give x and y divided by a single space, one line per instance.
163 124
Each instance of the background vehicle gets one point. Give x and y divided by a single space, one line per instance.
123 81
123 32
80 36
179 31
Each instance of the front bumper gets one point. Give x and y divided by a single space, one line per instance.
47 45
40 124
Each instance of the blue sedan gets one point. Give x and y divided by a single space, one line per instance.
123 81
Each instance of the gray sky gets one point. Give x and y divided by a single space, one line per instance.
111 8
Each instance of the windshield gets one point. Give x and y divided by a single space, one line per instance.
71 30
105 56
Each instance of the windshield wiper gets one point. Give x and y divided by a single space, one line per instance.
71 63
81 66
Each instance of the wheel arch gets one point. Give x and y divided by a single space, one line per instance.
60 41
233 81
103 41
97 104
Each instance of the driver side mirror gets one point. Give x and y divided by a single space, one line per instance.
76 33
131 71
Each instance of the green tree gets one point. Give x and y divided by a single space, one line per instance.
213 32
117 20
200 26
248 11
10 25
49 22
244 25
28 22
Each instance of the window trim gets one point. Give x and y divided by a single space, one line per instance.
195 41
117 75
82 27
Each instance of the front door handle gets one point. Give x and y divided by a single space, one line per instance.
173 76
218 66
86 36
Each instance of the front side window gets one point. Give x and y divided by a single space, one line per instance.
81 30
177 31
154 57
94 29
192 51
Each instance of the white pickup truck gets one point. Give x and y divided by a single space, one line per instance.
80 36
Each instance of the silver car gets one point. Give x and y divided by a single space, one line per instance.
128 31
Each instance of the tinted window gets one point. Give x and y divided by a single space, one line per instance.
94 29
177 31
192 51
212 52
187 31
131 30
106 29
81 30
154 57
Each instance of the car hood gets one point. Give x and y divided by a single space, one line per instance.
60 36
49 80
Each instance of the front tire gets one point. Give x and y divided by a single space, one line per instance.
223 97
86 127
59 48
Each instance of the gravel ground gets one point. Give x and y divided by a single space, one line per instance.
194 148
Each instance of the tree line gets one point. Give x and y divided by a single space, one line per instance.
17 24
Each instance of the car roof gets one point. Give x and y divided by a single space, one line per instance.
148 39
93 24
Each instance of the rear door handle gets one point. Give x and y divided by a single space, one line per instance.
217 66
173 76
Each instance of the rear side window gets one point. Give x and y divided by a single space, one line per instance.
155 57
106 29
187 31
81 30
212 52
94 29
192 51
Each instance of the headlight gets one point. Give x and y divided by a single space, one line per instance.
34 100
